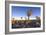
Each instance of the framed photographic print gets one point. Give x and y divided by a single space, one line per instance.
24 17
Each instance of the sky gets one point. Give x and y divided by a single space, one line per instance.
20 11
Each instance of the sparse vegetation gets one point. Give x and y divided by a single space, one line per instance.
26 24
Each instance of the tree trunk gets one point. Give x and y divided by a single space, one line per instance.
28 17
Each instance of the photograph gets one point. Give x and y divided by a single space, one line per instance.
25 17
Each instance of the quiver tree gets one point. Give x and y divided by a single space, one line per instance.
21 17
29 13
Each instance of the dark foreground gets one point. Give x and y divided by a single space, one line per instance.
26 24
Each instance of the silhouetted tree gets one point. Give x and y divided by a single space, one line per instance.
21 17
29 13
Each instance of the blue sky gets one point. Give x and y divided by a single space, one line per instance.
18 11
